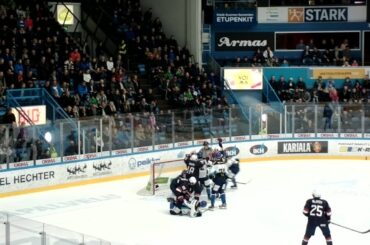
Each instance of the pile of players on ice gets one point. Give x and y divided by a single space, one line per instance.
207 169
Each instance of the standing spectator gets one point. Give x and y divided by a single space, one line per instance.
333 94
9 118
300 45
366 83
72 149
327 114
20 143
268 55
139 135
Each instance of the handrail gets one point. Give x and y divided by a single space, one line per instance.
213 65
267 89
235 98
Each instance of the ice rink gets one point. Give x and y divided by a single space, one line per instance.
266 211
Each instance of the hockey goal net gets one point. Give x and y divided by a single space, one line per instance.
160 177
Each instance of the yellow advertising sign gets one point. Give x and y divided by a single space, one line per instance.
338 73
244 78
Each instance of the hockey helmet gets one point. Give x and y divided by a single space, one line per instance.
316 194
217 155
194 157
192 180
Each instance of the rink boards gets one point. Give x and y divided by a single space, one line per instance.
88 169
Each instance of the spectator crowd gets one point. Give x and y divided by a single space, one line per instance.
35 52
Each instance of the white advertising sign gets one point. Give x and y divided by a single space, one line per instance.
350 147
37 114
311 14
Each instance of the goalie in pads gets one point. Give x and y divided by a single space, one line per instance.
183 203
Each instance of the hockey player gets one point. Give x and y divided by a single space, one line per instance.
183 203
204 179
318 212
220 177
199 169
205 152
218 156
233 167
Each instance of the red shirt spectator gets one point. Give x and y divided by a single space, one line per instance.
28 23
75 56
333 94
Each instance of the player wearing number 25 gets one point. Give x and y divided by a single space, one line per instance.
318 212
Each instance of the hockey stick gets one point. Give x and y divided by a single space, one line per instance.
243 183
361 232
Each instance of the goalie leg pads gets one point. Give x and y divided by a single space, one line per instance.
174 210
193 207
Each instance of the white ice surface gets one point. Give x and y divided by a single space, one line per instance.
266 211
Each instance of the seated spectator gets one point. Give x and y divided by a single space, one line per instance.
345 63
300 45
307 58
301 90
346 94
290 89
316 56
82 89
347 83
258 58
111 110
364 95
356 95
285 63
